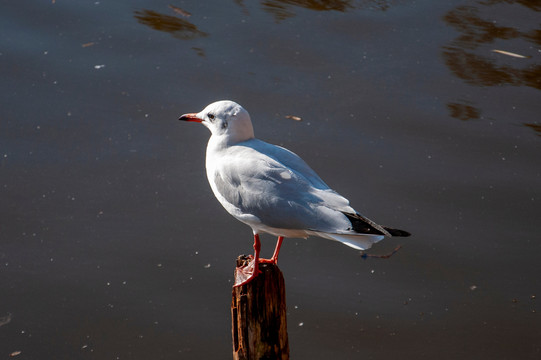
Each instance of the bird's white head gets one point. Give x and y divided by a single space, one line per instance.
225 119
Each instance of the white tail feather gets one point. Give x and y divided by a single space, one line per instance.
359 242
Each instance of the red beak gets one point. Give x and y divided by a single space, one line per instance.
190 117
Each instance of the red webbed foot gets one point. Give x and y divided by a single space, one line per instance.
248 266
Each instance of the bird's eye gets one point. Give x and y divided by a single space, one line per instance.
211 116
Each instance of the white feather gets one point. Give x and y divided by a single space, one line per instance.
270 188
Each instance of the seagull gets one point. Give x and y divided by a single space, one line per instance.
273 190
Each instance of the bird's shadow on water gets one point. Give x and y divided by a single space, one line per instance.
365 255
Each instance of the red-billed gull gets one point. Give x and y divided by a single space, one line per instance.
273 190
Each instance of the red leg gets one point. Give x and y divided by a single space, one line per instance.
274 258
277 249
257 249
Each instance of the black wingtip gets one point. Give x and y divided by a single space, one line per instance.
364 225
397 232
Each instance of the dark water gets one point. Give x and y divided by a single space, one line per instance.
112 245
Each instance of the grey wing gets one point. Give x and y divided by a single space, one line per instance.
289 160
283 196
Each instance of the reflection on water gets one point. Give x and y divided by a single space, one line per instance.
463 111
481 68
532 4
535 127
283 9
177 27
199 51
477 57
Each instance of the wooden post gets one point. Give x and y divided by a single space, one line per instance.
258 312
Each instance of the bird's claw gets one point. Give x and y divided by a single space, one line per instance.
245 274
